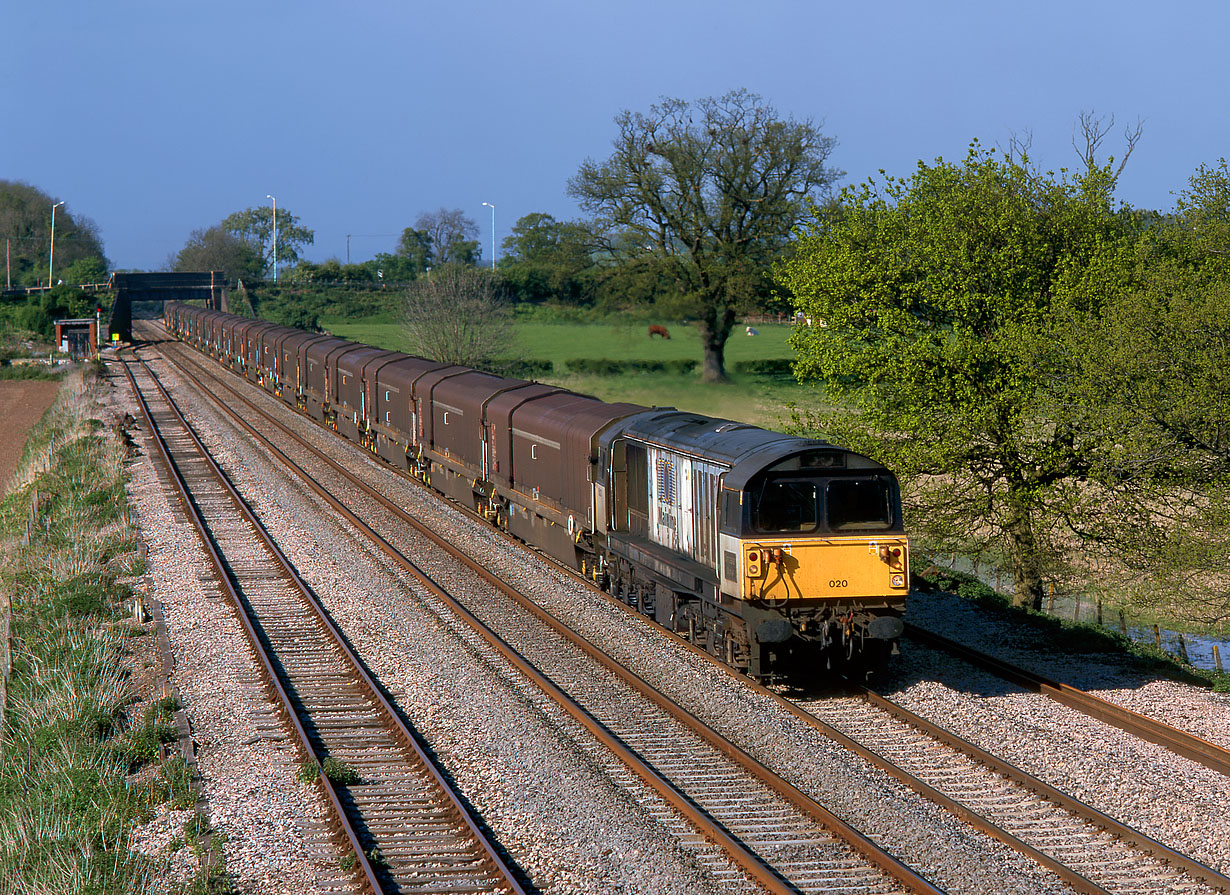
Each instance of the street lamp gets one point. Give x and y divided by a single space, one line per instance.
275 236
51 255
492 207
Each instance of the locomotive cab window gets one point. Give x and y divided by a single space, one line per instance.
785 505
858 504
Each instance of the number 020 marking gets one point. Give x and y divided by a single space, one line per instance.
839 582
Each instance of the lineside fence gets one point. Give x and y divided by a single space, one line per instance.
1201 650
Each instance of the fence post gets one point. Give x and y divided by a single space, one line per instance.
1217 658
1183 651
1157 636
1122 622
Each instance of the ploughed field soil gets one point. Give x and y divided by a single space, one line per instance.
22 404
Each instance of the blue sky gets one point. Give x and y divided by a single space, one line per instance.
157 118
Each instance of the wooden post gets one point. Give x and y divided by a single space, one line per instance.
1122 622
1050 604
1157 636
1183 651
1217 658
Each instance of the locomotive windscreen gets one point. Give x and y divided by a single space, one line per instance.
858 504
796 504
787 505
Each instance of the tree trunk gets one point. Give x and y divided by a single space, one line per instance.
1023 546
713 334
714 369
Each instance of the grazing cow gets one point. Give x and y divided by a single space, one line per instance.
656 330
752 331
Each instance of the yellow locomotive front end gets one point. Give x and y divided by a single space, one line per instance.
826 568
822 563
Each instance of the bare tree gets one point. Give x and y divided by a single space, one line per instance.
1093 130
455 315
1017 150
453 236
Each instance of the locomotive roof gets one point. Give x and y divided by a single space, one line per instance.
747 449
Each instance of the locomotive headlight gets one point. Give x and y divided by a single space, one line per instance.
898 580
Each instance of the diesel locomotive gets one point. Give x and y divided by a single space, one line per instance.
777 554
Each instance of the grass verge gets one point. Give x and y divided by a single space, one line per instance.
77 774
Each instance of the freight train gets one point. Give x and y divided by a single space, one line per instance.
779 555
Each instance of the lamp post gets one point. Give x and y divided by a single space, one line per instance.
492 207
275 236
51 255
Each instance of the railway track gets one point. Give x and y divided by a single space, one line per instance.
779 838
1090 851
399 825
1180 742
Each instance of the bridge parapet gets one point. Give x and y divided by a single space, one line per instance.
148 291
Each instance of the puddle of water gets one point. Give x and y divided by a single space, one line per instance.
1199 646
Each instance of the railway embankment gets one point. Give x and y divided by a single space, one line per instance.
83 743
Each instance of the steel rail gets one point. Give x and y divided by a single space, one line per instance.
1126 834
1129 836
391 714
856 840
1211 755
369 876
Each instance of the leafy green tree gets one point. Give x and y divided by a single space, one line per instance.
91 269
216 248
414 250
713 189
42 309
387 269
25 225
255 225
939 304
1155 376
545 260
330 271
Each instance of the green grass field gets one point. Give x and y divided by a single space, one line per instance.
760 400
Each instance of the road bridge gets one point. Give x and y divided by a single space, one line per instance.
141 295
